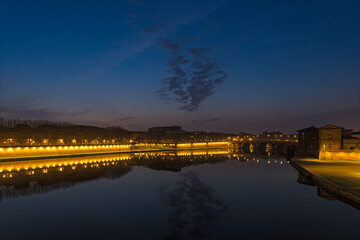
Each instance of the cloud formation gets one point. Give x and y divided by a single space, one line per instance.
196 208
204 121
195 75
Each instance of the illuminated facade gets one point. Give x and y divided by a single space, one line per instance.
330 138
319 142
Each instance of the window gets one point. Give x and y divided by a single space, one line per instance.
330 136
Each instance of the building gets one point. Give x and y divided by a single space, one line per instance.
245 135
329 138
308 142
165 131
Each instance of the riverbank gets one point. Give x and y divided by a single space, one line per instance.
338 178
110 151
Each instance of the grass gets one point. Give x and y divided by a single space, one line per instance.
354 191
340 181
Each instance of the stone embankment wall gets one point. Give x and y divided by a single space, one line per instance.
14 152
44 151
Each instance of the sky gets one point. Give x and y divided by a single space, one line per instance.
226 66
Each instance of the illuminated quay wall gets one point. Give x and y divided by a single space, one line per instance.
203 145
342 154
11 152
185 145
43 151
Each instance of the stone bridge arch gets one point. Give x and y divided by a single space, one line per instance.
265 148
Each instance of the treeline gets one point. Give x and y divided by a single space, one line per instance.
32 123
18 132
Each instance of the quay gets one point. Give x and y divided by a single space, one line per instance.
44 152
336 179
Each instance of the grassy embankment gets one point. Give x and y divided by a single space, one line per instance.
345 174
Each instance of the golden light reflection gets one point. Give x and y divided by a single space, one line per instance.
52 163
60 163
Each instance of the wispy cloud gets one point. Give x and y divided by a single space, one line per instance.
134 1
123 119
204 121
149 28
195 75
28 108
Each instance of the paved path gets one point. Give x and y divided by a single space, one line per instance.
342 172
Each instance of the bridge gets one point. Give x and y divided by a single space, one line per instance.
265 146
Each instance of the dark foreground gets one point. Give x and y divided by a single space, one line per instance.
185 195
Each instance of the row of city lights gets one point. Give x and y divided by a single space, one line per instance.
10 149
202 144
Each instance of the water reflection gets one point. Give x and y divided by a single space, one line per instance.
46 179
167 195
25 178
195 207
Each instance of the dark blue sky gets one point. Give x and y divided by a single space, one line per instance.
210 65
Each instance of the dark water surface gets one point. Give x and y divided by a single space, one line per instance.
143 196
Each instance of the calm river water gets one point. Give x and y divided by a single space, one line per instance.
184 195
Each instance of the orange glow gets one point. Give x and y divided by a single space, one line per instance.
9 152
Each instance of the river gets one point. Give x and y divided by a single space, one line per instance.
168 195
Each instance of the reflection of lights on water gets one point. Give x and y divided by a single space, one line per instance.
60 164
